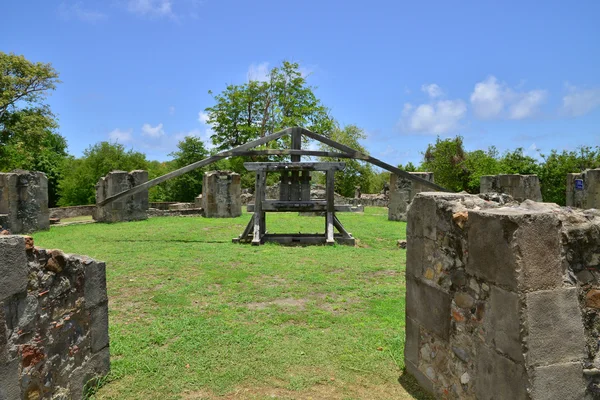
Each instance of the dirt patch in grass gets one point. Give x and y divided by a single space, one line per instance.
289 302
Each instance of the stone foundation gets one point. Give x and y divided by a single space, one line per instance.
221 194
502 302
53 321
24 201
520 187
583 190
401 193
72 211
132 208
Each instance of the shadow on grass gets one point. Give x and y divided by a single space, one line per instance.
410 384
164 241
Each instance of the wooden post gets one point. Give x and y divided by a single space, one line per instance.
259 194
296 145
330 206
284 188
305 186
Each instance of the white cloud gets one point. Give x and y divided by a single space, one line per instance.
172 110
121 136
580 101
153 131
435 118
491 99
76 10
203 117
206 132
151 8
258 72
432 90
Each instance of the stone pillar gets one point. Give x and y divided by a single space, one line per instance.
401 193
495 298
520 187
53 321
24 201
583 190
222 194
132 208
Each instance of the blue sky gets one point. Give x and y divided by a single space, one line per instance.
505 73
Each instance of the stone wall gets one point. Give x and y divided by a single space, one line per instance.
520 187
53 321
583 190
401 193
72 211
24 201
132 208
502 302
221 194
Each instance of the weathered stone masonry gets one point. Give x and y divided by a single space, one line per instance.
402 191
583 190
502 302
132 208
53 321
221 194
520 187
24 201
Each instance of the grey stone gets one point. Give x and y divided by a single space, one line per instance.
558 381
421 378
99 327
555 327
411 345
95 284
222 194
520 187
10 388
589 196
502 325
13 266
131 208
429 306
499 378
422 217
464 300
24 201
402 191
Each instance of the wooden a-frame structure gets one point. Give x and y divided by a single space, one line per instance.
295 152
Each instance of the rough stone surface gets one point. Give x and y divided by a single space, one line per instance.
221 194
51 342
520 287
132 208
520 187
559 381
583 190
72 211
24 201
553 316
402 191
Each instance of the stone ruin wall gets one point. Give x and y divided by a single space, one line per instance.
402 191
24 201
520 187
53 321
583 190
132 208
221 194
502 302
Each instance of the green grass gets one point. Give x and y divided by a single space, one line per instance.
193 315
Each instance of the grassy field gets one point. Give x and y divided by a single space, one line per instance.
193 316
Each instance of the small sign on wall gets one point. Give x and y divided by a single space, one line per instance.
578 184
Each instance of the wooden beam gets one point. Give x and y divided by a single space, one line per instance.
288 152
291 166
372 160
193 166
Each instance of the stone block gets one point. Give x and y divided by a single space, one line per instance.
520 187
13 266
508 246
559 381
422 217
24 201
502 325
95 284
556 332
402 192
415 248
411 345
583 190
131 208
421 378
99 327
222 194
10 383
429 306
498 377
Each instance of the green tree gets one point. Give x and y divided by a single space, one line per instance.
479 163
255 109
188 186
446 159
28 137
77 187
356 173
553 171
516 162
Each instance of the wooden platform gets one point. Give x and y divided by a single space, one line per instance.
299 239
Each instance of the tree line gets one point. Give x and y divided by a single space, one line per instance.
30 139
